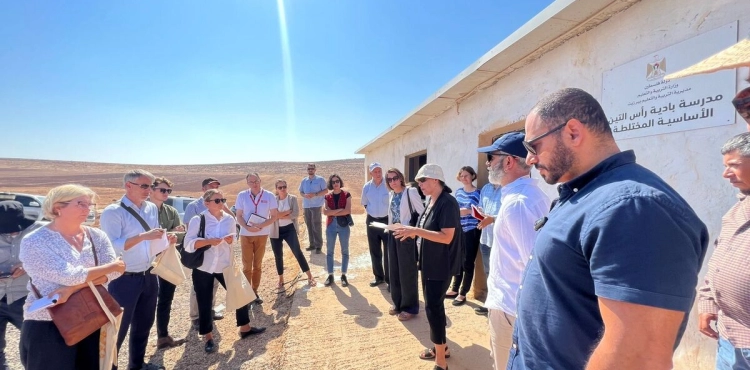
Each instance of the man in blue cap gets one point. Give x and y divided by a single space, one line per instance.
14 225
522 203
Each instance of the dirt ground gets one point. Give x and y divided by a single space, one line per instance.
308 328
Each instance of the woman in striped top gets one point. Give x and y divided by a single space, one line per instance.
466 196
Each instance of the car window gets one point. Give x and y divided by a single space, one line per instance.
27 201
170 201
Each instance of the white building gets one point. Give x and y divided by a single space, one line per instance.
618 51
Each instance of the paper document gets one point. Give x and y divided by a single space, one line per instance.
43 303
157 246
383 226
255 219
475 213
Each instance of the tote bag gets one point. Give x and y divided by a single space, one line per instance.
168 266
239 290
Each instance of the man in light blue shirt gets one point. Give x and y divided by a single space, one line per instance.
375 200
489 203
312 189
137 289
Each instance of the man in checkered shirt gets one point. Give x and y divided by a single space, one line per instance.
725 296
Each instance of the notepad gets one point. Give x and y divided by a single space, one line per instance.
255 219
475 213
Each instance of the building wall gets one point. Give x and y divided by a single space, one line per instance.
689 161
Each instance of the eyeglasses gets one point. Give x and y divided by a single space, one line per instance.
311 169
253 182
282 187
81 205
528 144
163 190
142 186
217 201
392 179
742 105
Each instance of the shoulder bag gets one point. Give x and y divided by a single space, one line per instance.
195 259
83 314
413 215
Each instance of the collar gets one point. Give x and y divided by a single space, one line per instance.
571 187
130 203
521 181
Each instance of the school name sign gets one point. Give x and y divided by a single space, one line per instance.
639 102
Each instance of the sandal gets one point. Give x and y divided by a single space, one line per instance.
280 288
393 311
312 282
405 316
429 353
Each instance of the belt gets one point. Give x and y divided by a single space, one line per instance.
139 273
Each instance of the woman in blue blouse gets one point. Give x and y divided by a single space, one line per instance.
466 196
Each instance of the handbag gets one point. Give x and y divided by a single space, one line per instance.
83 313
345 221
239 291
168 266
193 260
414 215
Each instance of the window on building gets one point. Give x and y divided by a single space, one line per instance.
413 163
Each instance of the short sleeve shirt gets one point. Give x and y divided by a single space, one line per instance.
438 261
261 204
618 232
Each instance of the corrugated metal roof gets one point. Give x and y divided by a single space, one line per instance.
553 26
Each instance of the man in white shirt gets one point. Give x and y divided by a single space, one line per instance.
256 211
522 204
375 200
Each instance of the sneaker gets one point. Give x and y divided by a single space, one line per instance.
344 282
329 280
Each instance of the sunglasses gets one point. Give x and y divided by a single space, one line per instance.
529 145
335 181
423 179
163 190
392 179
142 186
217 201
282 187
491 156
742 105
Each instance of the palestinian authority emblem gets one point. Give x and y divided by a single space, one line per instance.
656 69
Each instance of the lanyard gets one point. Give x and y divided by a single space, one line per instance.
252 199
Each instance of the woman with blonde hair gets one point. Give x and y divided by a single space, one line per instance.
218 233
60 259
285 228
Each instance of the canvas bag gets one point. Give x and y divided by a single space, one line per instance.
107 335
239 290
168 266
414 215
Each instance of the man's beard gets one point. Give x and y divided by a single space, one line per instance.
496 174
561 161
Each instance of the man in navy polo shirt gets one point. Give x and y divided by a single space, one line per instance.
613 272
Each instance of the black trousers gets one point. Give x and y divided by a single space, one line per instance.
203 283
404 274
377 239
471 247
9 313
43 348
289 234
163 307
434 308
137 295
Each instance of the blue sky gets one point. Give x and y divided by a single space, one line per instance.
188 82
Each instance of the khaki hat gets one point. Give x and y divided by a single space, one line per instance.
430 171
737 55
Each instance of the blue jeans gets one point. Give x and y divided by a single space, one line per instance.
343 232
730 358
485 250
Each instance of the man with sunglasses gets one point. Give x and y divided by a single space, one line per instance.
132 224
14 225
169 219
612 275
521 204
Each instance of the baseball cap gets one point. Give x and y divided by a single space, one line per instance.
511 143
375 165
209 181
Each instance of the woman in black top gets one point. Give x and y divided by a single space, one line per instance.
438 238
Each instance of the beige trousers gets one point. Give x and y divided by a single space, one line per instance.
501 337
